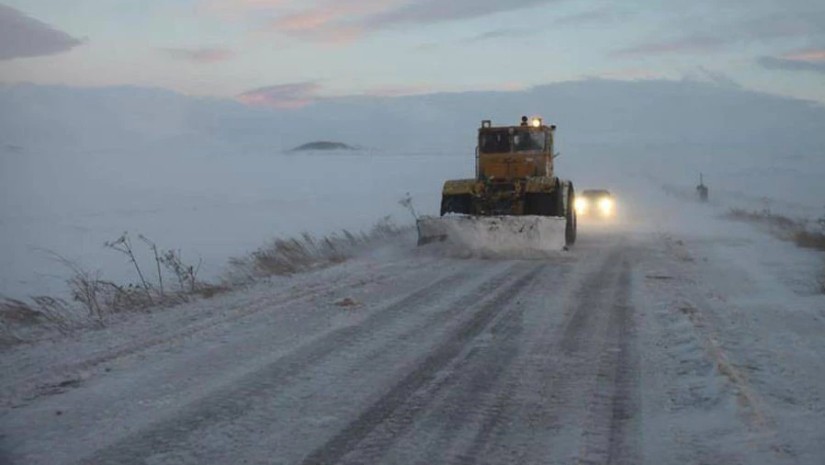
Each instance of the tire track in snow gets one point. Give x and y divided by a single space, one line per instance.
432 422
483 388
45 383
561 366
242 396
610 423
478 397
396 410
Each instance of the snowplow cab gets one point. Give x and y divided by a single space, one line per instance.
514 174
515 152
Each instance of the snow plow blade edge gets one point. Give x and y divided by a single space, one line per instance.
499 236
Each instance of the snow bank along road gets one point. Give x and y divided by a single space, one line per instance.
632 348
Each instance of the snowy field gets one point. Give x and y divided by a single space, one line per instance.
210 206
216 205
215 179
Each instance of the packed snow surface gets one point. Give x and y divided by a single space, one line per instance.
672 341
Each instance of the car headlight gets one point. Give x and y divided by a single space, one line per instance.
580 205
606 206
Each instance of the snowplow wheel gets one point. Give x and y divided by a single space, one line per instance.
570 226
456 204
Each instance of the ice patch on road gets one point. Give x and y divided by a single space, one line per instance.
495 236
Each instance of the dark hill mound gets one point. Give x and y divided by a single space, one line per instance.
323 145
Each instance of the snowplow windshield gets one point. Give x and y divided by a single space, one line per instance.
528 141
521 140
495 142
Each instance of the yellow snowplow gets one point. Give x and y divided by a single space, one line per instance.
515 202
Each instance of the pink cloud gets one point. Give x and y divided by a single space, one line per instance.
306 21
282 96
333 21
805 60
199 55
337 21
807 55
319 25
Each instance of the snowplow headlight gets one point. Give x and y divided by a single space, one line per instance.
606 206
580 205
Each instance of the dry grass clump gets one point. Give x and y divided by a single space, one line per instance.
18 312
93 300
13 314
765 217
289 256
806 234
284 257
802 233
810 240
19 320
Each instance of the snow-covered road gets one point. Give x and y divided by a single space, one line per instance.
634 347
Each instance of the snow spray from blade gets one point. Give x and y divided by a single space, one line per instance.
495 236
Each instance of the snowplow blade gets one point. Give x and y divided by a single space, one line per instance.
495 236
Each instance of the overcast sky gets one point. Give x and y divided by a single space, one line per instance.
287 53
